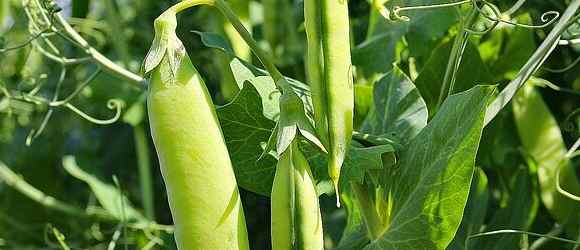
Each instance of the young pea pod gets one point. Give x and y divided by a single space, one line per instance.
200 182
333 93
296 220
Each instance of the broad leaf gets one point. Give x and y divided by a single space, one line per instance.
245 130
108 195
474 212
354 236
432 183
542 139
399 111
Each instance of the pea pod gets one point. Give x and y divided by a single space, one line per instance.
333 95
542 138
296 220
201 187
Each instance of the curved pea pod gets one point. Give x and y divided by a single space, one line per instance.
296 220
338 81
200 182
542 139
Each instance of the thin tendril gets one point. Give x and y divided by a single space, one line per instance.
509 231
111 104
24 44
562 70
396 13
36 133
77 91
568 123
569 155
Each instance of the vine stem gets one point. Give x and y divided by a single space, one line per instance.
457 51
99 58
15 181
533 64
369 213
264 58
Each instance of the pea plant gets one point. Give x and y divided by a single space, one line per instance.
375 125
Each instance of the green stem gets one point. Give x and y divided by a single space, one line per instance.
99 58
368 211
16 182
455 58
533 64
145 179
264 58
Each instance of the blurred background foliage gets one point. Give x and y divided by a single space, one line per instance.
123 29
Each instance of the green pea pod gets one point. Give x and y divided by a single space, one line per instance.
200 182
314 68
296 220
542 139
337 99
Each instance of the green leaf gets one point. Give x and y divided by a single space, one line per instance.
246 130
264 85
474 212
431 185
108 195
359 160
399 111
518 214
216 41
354 236
542 139
471 72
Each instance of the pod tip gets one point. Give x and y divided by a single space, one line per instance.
335 182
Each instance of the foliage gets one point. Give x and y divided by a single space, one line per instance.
466 119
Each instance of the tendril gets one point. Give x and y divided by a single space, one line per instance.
573 152
562 70
25 43
35 133
547 18
113 104
395 15
509 231
569 122
77 91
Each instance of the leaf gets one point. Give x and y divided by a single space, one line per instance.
108 195
431 186
216 41
358 161
264 85
474 212
542 139
245 131
354 236
472 71
518 214
399 109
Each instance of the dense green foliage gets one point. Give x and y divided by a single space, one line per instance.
466 124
